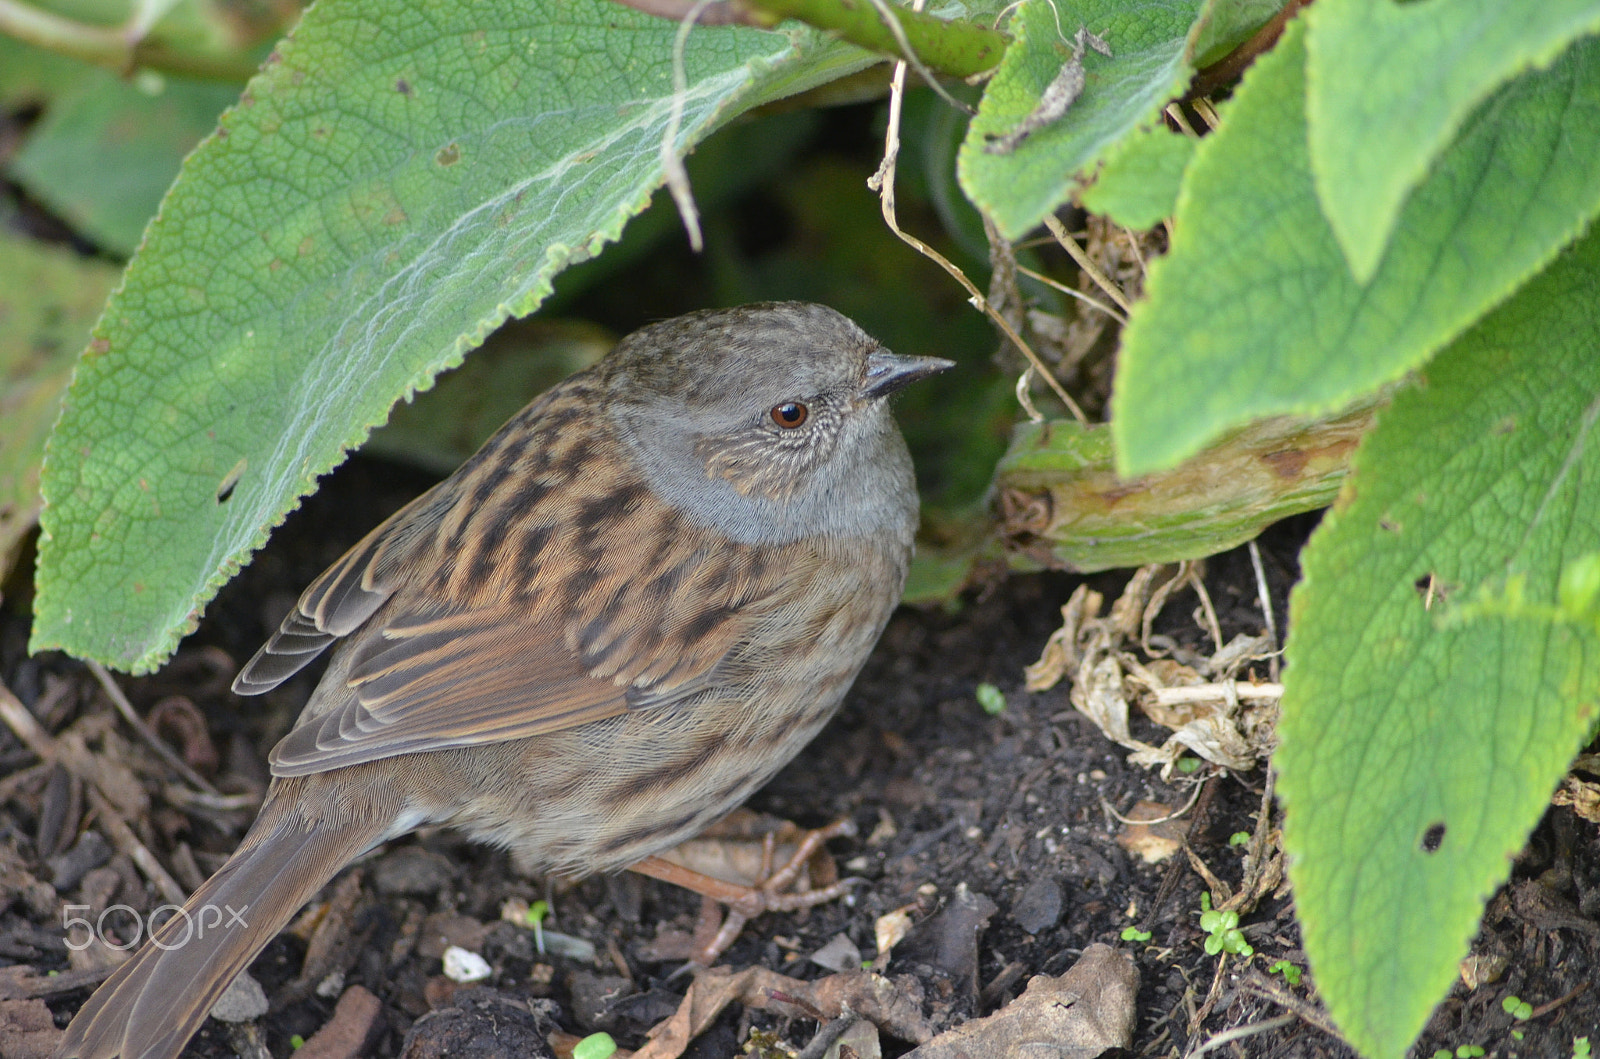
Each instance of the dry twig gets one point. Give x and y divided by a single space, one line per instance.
883 182
677 177
1265 988
115 693
1087 263
1239 1033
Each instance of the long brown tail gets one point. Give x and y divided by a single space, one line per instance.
153 1003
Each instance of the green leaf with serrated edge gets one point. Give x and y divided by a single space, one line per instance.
49 298
1153 45
1253 313
1418 751
1148 65
1138 185
1389 85
104 154
395 183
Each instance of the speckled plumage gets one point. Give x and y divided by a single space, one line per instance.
629 609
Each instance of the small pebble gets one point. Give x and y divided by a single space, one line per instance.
840 954
442 930
463 965
243 1001
412 871
357 1019
1038 907
88 853
572 948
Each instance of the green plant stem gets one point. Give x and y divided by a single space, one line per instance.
954 47
112 47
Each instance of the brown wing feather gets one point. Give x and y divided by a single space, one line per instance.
471 680
524 607
339 601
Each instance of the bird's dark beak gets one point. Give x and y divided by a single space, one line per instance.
887 372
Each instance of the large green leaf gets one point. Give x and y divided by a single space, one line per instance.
1389 85
1138 185
1149 64
1418 752
49 298
105 153
1253 312
396 182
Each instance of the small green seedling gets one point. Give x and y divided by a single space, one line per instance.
1290 972
595 1046
1188 764
296 1041
1517 1008
1223 928
992 699
1239 838
1580 1048
1135 934
1469 1051
536 917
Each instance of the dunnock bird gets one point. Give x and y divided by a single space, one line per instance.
611 625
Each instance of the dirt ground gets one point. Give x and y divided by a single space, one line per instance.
1017 807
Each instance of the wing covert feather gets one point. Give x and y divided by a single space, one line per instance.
339 601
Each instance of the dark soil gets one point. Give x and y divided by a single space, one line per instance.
1013 807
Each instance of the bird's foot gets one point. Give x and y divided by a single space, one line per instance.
771 892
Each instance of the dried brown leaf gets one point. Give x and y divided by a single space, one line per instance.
1079 1015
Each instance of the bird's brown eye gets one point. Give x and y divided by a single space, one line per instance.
789 415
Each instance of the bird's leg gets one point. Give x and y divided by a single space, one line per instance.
746 902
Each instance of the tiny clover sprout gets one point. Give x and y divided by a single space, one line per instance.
1239 838
1469 1051
595 1046
1135 934
1290 972
992 699
296 1041
1580 1048
536 917
1223 928
1517 1008
1188 764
